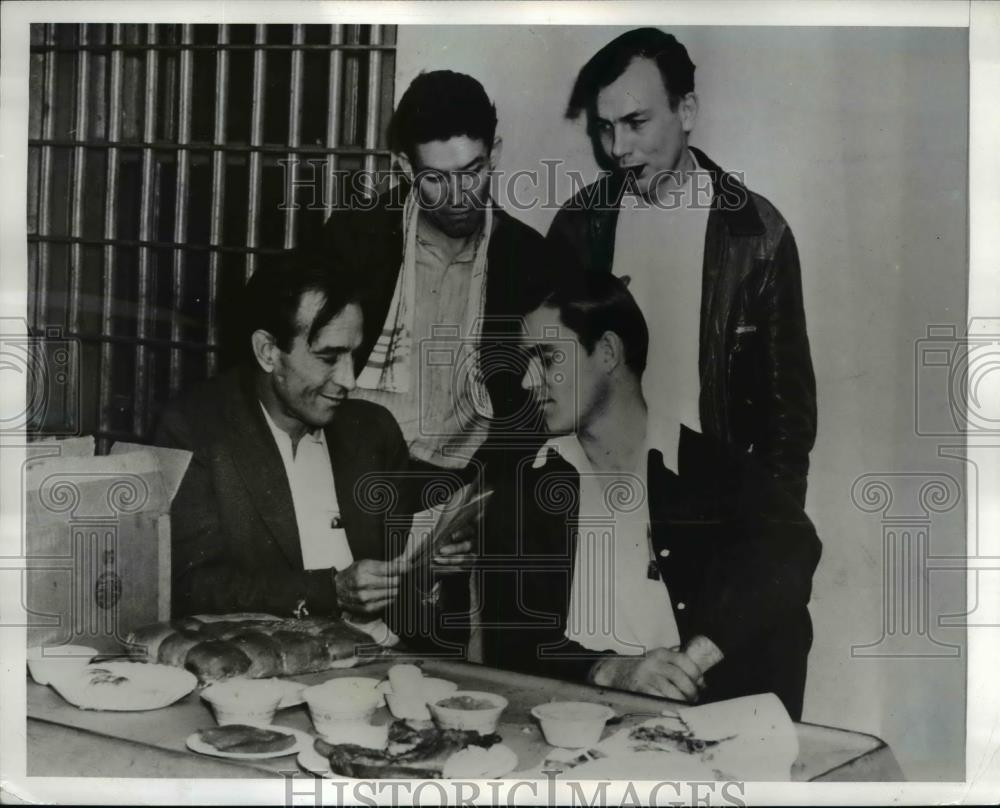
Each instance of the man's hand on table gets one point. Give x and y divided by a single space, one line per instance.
673 673
367 586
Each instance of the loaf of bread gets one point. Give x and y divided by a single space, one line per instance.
221 648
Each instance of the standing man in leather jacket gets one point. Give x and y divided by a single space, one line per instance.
713 265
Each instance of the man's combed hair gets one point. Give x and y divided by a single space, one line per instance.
592 303
439 106
611 61
272 296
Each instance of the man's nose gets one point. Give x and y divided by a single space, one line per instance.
532 376
620 142
343 374
456 194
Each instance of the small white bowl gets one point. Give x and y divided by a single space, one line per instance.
359 733
350 699
46 661
482 720
244 701
572 724
414 705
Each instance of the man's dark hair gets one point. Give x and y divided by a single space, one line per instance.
439 106
611 61
274 292
591 303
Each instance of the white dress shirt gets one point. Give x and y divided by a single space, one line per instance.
614 605
661 247
317 513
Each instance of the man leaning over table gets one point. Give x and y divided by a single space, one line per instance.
649 557
270 516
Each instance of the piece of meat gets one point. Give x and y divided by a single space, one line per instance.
411 753
246 739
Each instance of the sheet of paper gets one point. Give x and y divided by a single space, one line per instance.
435 527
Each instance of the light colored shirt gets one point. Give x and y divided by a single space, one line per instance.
314 496
438 417
614 605
661 247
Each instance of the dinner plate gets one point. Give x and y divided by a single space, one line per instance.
124 686
643 766
312 761
303 740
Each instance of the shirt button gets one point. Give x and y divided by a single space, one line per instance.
664 553
681 606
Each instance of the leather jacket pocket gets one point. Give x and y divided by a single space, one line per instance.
743 380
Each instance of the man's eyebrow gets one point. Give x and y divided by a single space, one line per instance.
331 350
472 164
629 118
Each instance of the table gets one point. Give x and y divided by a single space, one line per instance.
65 741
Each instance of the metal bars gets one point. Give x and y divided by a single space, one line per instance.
45 176
110 225
147 195
294 133
181 204
218 194
155 162
256 138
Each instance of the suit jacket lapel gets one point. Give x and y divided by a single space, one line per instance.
259 462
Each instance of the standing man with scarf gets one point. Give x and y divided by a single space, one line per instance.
445 271
444 268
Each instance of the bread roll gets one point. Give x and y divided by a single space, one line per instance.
264 654
145 642
214 660
300 653
188 623
174 649
221 629
342 641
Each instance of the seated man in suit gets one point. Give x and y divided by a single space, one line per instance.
280 511
648 557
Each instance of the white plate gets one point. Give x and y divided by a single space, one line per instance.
643 766
124 686
312 761
303 740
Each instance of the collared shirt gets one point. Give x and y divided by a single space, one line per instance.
317 513
437 416
614 605
661 247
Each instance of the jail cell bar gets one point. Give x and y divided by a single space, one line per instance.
166 61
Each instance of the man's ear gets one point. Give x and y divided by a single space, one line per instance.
688 110
265 349
495 153
406 166
612 350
